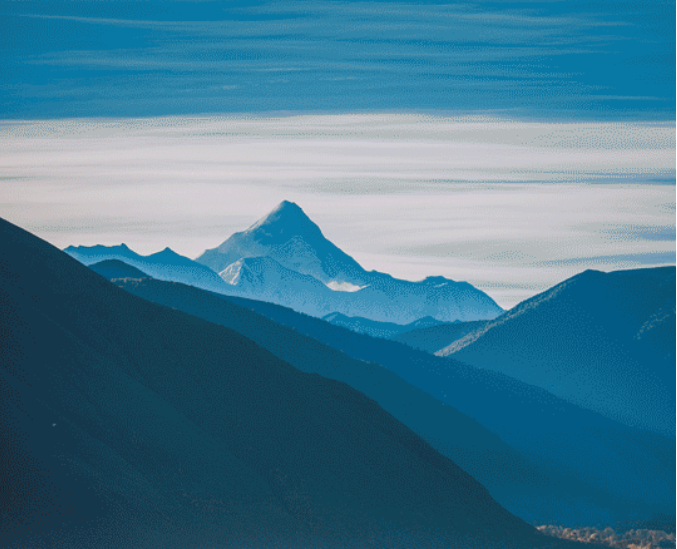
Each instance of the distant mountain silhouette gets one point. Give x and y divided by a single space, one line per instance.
605 341
164 265
433 338
114 268
129 424
378 329
296 244
635 466
426 321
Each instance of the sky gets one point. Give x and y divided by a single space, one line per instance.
609 59
511 207
509 144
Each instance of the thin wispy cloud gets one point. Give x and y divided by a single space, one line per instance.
543 59
511 206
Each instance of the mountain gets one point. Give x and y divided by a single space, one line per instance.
433 338
510 476
114 268
265 279
378 329
289 238
605 341
636 467
425 322
455 435
130 424
164 265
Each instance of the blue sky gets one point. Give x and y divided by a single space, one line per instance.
536 60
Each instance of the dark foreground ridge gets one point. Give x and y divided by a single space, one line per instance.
129 424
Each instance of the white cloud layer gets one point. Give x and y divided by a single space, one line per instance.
510 206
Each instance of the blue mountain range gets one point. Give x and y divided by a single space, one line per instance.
374 328
128 424
284 258
164 265
542 430
539 455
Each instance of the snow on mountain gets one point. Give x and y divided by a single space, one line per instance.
285 259
296 244
265 279
343 286
289 237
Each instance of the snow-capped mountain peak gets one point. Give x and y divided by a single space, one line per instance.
285 258
285 221
291 238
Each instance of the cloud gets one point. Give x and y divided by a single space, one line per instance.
548 61
511 206
616 261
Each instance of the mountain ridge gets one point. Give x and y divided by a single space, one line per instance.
593 339
116 268
116 379
163 265
434 338
512 477
374 328
449 431
570 438
291 239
